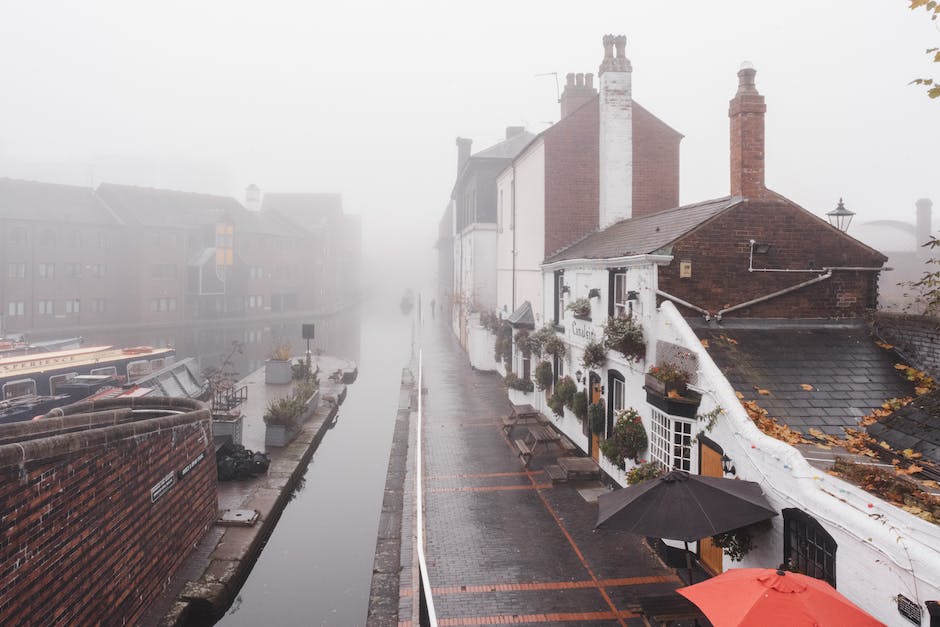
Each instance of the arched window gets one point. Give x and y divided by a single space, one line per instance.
807 547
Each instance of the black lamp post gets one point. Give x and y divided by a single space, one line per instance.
840 217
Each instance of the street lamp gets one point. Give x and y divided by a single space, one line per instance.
840 217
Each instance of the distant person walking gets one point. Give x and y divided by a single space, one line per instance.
432 310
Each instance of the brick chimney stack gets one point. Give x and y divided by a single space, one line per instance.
924 225
579 88
746 111
463 152
616 133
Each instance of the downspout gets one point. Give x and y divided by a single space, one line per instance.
512 200
787 290
676 299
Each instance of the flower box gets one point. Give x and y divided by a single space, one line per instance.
682 406
663 388
280 435
278 372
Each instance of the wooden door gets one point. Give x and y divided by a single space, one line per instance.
710 555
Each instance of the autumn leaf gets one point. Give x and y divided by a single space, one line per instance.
739 395
884 445
900 367
910 453
913 469
807 387
762 391
884 345
705 343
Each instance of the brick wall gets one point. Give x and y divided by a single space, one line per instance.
719 253
572 178
917 337
81 541
655 164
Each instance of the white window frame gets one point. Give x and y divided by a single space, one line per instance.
56 379
670 441
16 308
10 388
622 307
45 307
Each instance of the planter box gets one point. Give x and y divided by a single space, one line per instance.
683 407
277 372
663 388
280 435
312 404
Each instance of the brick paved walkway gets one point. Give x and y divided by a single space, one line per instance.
503 544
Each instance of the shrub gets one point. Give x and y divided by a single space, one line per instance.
556 404
543 375
643 472
580 307
521 338
595 356
518 383
281 352
736 543
565 390
598 415
283 411
502 348
490 321
579 404
625 335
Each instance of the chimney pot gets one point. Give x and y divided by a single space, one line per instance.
579 80
589 80
463 152
569 79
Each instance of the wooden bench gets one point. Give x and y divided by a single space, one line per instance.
567 444
521 415
525 453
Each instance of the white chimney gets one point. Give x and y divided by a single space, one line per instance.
616 133
253 198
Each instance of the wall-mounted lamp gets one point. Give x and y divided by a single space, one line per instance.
579 375
727 466
761 248
565 289
633 295
840 217
594 293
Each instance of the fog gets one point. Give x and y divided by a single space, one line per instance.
365 98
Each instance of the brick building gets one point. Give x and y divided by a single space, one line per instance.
75 259
607 159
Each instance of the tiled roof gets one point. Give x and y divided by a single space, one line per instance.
645 234
154 207
915 426
850 375
32 200
506 149
522 316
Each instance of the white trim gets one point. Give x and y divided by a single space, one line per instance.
610 262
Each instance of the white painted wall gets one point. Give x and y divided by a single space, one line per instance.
523 236
616 146
480 345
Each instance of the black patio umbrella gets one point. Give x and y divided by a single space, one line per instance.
680 506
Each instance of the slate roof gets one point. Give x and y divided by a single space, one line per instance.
47 202
850 374
506 149
153 207
915 426
522 316
645 234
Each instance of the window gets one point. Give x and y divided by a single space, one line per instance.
163 304
618 394
20 387
98 305
58 379
110 371
16 308
45 308
46 270
73 270
16 270
808 547
622 307
559 296
670 442
73 306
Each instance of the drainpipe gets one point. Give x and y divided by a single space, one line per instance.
676 299
512 200
787 290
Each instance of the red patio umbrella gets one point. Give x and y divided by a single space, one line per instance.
764 597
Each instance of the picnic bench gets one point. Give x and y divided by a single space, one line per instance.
521 415
665 609
539 435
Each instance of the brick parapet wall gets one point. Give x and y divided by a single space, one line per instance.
82 542
719 252
916 337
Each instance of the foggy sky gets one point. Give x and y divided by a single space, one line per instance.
366 98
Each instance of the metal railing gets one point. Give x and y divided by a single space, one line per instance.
229 398
427 616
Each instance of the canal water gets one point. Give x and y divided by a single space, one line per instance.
316 568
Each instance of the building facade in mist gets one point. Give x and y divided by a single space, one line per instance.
76 259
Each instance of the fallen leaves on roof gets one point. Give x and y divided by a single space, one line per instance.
807 387
705 344
922 381
762 391
894 486
884 345
729 340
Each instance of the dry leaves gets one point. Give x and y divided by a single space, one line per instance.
807 387
762 391
705 344
884 345
729 340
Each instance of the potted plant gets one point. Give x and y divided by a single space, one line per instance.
667 378
595 356
598 416
628 439
516 382
643 472
622 333
579 404
277 368
503 343
565 390
282 421
581 308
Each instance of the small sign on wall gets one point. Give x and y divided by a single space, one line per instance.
189 467
685 269
162 487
